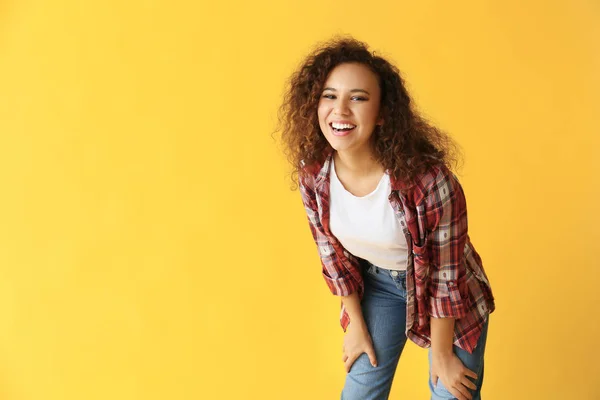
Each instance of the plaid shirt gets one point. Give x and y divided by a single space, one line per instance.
445 276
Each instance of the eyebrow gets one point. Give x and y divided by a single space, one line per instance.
352 91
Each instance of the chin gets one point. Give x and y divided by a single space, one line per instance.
341 147
336 144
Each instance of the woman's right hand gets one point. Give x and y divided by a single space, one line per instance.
357 341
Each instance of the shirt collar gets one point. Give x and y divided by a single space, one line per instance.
323 175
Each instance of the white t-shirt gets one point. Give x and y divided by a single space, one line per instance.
367 226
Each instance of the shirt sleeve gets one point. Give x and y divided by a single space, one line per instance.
446 214
339 280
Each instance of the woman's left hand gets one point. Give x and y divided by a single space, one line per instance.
454 375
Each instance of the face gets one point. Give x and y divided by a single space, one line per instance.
349 107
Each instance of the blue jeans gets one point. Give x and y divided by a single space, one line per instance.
384 310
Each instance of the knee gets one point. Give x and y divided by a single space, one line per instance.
439 392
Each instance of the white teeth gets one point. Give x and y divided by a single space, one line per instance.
342 126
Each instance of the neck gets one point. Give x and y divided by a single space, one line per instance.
357 163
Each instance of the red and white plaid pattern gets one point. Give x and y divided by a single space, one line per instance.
445 277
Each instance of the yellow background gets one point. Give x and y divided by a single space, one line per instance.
150 247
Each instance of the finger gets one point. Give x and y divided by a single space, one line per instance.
470 373
458 395
344 357
371 353
349 362
468 383
462 391
434 380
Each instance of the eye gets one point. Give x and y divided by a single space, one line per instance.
328 96
359 98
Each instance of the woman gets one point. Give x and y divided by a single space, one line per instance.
389 220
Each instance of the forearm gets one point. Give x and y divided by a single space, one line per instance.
442 334
352 305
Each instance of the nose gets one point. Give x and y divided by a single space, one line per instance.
341 107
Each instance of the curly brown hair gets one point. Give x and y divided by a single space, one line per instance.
406 144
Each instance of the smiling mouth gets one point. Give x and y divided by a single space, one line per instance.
341 129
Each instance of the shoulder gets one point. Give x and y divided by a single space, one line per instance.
437 181
306 175
309 173
433 177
